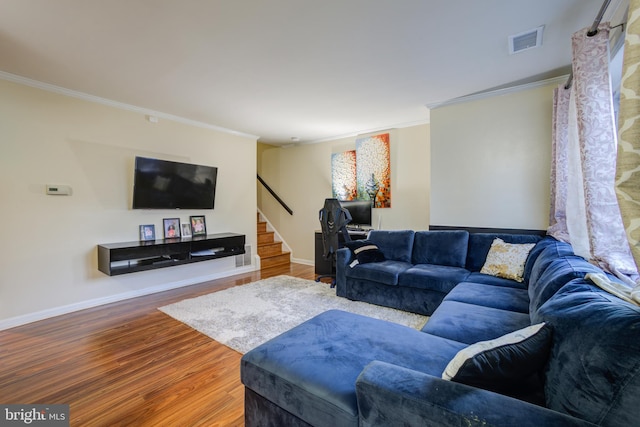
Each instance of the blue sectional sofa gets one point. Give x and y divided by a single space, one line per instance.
578 364
419 268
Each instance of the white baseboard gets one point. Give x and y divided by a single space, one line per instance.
12 322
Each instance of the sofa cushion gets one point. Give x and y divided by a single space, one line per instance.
311 370
501 297
470 323
537 250
439 278
479 244
503 363
364 251
507 260
396 245
392 396
442 247
594 365
548 254
558 272
477 277
404 298
385 272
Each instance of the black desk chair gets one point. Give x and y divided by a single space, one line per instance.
333 220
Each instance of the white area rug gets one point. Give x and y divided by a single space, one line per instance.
245 316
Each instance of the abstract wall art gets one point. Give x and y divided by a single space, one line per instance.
343 175
373 170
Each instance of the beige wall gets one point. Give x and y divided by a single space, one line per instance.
480 163
301 175
490 161
48 255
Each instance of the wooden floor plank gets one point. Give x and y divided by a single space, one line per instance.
129 364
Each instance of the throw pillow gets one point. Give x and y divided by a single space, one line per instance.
503 362
364 251
507 260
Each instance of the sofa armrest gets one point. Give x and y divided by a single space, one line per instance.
390 395
344 257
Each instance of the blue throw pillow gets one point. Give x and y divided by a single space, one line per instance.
364 251
502 363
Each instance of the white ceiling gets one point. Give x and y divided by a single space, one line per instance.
279 69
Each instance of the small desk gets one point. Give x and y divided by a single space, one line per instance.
322 265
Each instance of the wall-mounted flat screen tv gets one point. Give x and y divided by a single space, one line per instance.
162 184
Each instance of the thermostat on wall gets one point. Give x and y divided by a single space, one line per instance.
58 190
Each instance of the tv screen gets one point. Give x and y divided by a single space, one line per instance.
360 211
162 184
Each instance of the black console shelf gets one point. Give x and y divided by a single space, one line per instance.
129 257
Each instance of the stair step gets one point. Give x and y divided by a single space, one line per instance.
266 237
268 249
276 270
275 260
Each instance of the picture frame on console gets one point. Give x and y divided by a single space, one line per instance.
147 232
198 225
171 227
186 230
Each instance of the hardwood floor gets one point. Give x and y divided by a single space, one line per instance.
128 364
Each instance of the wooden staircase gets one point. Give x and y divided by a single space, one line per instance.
269 250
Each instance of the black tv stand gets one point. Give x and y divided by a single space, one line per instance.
129 257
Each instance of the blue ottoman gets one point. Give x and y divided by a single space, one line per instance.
307 375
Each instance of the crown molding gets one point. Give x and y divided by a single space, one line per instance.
499 92
425 121
120 105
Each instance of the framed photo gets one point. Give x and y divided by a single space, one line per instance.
148 232
198 226
186 229
171 227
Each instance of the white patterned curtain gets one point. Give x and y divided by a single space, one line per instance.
585 210
559 165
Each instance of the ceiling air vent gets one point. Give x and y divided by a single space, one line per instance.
526 40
